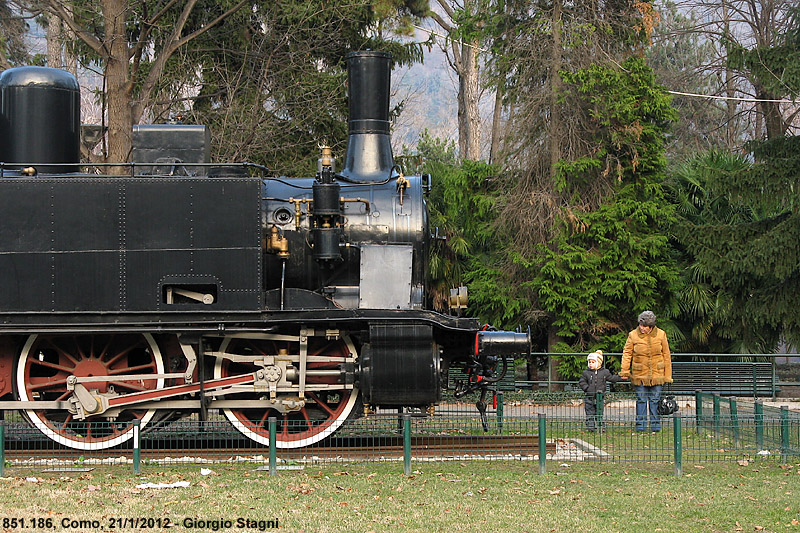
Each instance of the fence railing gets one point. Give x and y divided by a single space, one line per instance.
551 427
756 375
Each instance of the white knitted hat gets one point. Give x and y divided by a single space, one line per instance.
598 356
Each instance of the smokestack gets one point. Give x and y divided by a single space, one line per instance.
369 148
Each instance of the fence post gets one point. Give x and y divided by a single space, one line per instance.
698 409
758 415
499 397
549 373
715 397
407 444
735 420
542 443
784 433
2 447
774 379
273 441
137 446
678 444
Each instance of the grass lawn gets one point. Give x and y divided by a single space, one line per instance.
445 496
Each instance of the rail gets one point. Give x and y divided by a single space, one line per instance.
752 375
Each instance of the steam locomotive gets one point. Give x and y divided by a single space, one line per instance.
185 287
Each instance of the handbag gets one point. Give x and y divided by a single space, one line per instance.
667 405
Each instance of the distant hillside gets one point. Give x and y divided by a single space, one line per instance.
429 92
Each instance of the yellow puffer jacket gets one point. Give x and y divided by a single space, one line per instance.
646 358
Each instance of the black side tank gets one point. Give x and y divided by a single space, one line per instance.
40 119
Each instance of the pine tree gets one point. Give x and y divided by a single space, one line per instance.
751 260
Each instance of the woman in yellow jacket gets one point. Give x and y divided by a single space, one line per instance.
646 360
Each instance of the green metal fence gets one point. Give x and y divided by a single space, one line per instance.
543 428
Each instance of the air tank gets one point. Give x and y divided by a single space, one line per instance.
40 119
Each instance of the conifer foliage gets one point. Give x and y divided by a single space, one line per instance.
747 253
607 262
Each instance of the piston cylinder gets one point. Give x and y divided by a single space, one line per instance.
326 199
326 244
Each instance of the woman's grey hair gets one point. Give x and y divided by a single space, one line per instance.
647 318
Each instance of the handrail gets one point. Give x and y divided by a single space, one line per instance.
683 357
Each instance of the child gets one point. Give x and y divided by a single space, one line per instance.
593 380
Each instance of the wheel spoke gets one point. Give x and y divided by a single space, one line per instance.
45 383
64 396
61 352
54 366
104 351
119 356
128 385
285 425
304 412
320 403
322 349
131 369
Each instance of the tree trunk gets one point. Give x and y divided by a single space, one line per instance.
471 114
68 41
494 151
555 85
54 42
730 130
118 82
773 119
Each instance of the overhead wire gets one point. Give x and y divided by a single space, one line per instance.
680 93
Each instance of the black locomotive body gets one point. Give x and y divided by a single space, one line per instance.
188 287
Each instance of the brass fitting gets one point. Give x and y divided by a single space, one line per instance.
298 213
402 185
327 156
278 244
362 200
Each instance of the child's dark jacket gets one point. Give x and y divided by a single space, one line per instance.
593 381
